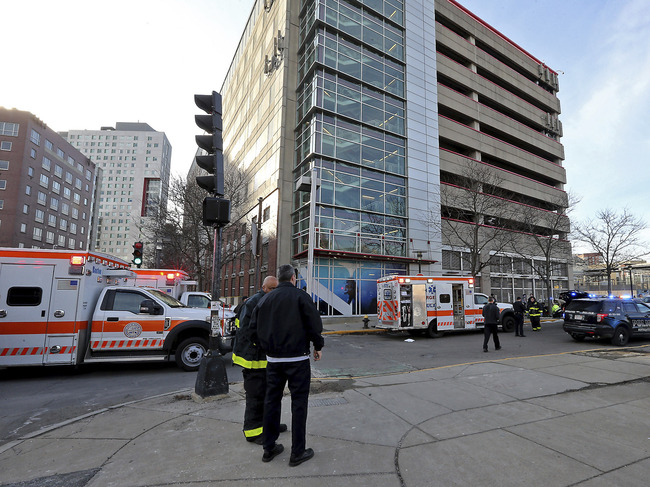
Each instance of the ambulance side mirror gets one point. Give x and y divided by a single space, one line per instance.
149 306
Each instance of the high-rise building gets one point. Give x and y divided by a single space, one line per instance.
398 105
135 160
46 186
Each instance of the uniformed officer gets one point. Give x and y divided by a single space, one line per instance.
248 355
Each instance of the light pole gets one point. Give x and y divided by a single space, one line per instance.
311 184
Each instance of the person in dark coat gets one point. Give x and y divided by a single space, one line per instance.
287 323
247 354
520 309
491 315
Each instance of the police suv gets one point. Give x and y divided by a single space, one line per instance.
614 318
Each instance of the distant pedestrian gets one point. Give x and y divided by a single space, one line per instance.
287 322
534 313
491 315
249 355
520 309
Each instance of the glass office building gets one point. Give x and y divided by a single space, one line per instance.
385 99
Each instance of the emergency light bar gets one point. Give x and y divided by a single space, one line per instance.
77 260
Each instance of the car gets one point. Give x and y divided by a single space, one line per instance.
614 318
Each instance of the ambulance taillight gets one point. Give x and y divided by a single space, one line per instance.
170 279
471 282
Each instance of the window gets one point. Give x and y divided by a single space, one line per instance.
68 177
63 224
49 237
23 228
30 172
24 296
42 198
77 183
54 203
2 204
10 129
60 153
48 145
28 190
4 145
51 220
25 209
61 241
45 181
56 187
35 137
67 193
65 208
40 216
4 165
127 301
77 198
32 153
46 163
73 228
71 243
3 184
58 171
38 234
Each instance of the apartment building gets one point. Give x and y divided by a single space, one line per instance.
396 106
135 160
46 187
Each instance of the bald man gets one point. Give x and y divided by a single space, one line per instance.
248 355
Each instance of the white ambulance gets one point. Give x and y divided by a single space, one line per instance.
66 307
177 283
433 304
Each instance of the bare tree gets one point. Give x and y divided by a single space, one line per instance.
474 212
615 236
186 243
545 235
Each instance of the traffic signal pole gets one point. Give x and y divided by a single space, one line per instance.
212 379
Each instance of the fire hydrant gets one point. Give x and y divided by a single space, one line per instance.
365 321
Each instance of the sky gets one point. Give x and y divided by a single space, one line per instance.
87 64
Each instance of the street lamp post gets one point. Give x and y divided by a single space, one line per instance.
310 183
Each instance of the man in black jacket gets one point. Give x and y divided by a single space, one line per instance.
287 321
491 315
247 354
520 309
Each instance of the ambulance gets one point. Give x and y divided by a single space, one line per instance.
434 305
177 283
66 307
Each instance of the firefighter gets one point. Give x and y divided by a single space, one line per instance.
248 355
534 313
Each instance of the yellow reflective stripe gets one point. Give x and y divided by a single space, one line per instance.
248 364
255 432
237 322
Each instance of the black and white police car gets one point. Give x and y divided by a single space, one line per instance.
615 318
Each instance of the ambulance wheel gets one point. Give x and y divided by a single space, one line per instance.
508 324
190 352
432 330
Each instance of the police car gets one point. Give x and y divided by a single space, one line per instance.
613 318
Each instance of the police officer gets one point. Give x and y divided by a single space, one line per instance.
520 309
248 355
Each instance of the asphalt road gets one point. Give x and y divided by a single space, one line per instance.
33 398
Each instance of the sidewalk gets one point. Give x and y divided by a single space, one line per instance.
548 420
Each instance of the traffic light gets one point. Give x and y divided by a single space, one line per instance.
137 254
212 144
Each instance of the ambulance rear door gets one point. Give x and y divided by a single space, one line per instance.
25 291
444 308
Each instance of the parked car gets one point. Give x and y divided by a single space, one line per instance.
613 318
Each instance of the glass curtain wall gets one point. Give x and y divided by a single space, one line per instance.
351 127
